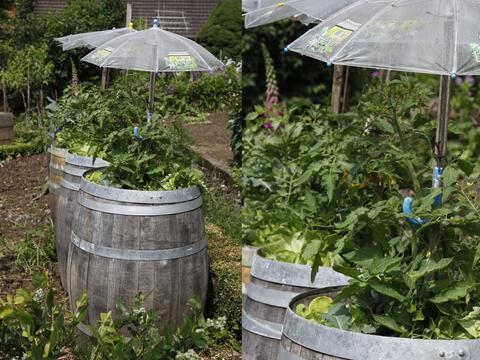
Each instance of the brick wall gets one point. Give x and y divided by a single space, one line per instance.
196 11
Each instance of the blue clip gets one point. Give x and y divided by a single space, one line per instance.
407 209
437 202
136 134
286 50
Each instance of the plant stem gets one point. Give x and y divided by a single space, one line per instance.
410 167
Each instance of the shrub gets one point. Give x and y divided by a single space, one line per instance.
222 33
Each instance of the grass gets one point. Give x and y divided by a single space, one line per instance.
223 210
223 225
36 249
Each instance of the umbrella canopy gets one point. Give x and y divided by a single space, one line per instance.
153 50
93 39
307 11
425 36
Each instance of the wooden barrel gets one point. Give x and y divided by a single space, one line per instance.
6 128
272 285
305 339
247 259
127 241
75 167
55 173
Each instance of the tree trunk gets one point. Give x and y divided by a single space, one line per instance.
24 100
28 88
5 98
42 109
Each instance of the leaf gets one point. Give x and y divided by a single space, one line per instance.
386 290
466 166
329 182
389 323
338 316
458 291
427 266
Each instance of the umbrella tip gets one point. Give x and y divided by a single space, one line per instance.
454 75
155 23
286 50
329 63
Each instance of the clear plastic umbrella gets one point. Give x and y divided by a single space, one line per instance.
250 5
424 36
306 11
93 39
153 50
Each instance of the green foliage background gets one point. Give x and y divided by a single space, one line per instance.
222 33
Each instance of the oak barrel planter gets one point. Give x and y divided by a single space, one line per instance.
127 241
55 174
303 339
6 128
75 167
272 285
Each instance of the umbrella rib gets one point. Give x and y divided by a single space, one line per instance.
362 27
455 45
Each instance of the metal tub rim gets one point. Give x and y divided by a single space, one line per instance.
84 161
58 151
294 274
138 197
358 346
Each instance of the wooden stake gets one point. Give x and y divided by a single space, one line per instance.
104 79
337 87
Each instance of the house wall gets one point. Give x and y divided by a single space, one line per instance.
196 11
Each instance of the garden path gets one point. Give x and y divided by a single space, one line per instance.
212 141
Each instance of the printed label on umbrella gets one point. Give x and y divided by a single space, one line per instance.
475 49
328 38
180 61
100 55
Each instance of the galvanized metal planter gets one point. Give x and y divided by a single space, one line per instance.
75 166
304 339
55 174
272 285
127 241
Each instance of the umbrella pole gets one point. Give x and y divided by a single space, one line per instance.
442 121
441 138
151 97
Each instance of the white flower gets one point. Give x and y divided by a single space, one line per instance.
189 355
39 294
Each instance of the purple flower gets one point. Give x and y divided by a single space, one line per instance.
458 81
375 74
470 80
268 126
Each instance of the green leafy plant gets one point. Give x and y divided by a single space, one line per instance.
157 159
399 286
307 170
33 327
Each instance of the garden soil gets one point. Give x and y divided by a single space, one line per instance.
212 141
